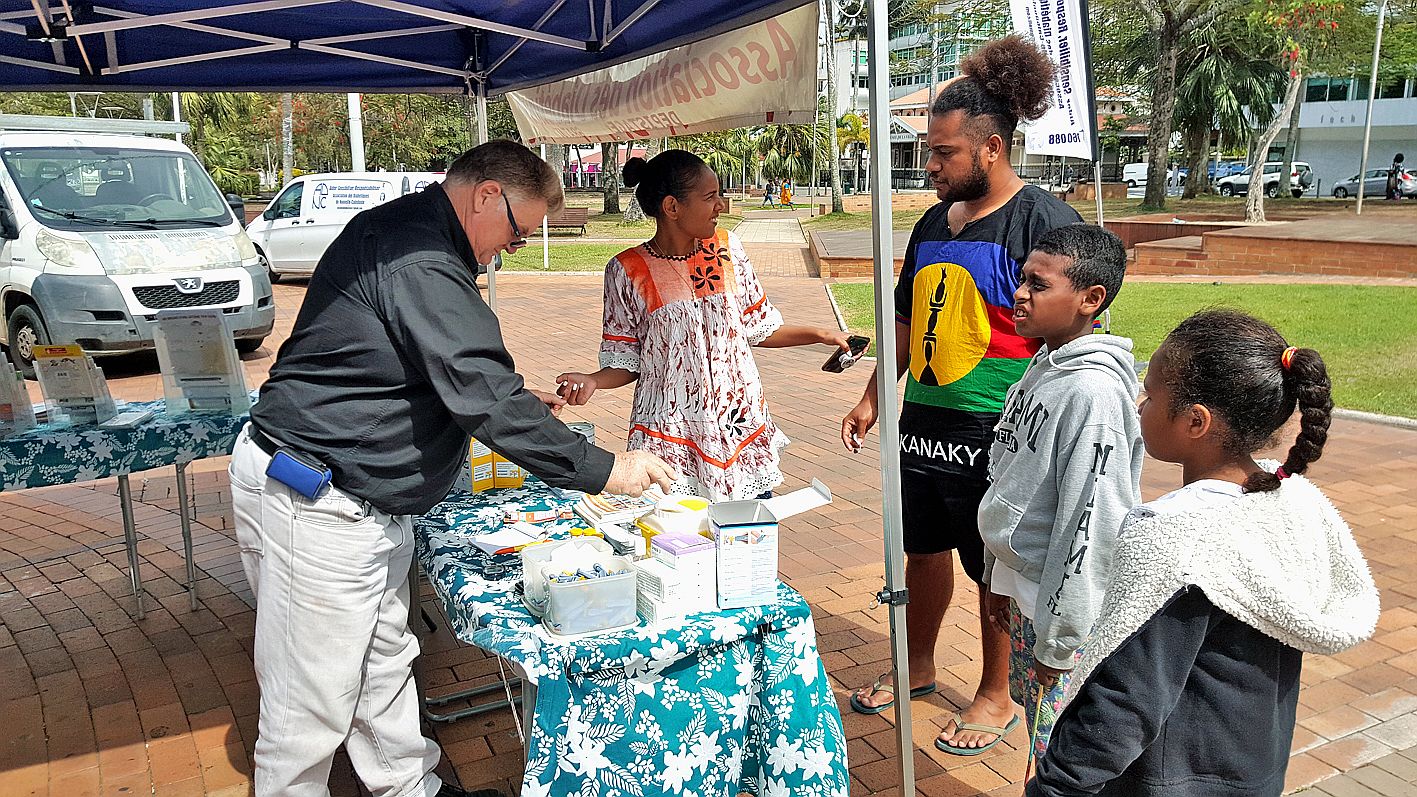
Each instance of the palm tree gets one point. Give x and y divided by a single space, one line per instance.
851 132
1227 74
787 150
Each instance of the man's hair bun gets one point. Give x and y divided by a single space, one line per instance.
1016 71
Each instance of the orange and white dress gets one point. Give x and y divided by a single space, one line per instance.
687 328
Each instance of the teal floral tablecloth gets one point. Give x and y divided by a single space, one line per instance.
716 704
52 454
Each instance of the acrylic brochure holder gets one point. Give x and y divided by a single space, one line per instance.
201 371
73 384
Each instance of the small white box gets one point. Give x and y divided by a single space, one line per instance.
745 533
654 612
658 581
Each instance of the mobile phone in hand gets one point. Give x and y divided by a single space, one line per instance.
842 360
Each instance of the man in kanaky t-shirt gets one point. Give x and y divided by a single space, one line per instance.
957 345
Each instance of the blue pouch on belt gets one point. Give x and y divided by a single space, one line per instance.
300 472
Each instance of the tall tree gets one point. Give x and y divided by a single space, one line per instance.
1228 77
1305 27
1168 23
610 177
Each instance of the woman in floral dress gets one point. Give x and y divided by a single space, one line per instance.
681 313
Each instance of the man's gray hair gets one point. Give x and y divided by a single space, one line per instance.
514 167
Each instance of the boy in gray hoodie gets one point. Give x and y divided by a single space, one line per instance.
1065 466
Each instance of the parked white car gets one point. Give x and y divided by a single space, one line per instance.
311 211
1134 174
102 226
1300 178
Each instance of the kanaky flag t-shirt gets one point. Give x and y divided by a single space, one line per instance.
956 293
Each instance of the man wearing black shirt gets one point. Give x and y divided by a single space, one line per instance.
955 337
394 361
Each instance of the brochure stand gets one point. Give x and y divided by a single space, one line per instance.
201 371
16 411
73 384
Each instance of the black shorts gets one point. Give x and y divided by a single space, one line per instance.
941 513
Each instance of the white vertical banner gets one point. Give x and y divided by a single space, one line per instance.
1059 28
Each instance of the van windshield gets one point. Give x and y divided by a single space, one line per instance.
89 187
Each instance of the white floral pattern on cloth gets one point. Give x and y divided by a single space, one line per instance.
717 704
52 453
688 328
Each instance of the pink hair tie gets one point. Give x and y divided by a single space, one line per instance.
1281 472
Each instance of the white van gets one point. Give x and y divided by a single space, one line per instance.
101 227
309 213
1134 174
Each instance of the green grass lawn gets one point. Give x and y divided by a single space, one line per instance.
1367 335
565 256
1112 208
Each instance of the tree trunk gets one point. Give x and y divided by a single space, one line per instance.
556 156
1163 104
834 164
1197 153
610 176
633 211
287 139
1290 151
1254 202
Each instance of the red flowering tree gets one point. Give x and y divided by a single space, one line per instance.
1305 28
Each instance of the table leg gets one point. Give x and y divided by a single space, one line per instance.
130 539
415 574
183 503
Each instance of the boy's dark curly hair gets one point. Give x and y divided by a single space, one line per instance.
1005 82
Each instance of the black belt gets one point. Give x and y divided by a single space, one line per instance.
261 440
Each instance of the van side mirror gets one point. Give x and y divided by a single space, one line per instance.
238 206
9 225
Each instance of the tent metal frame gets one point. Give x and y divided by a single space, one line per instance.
475 80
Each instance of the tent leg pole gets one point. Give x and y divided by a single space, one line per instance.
894 595
482 139
1368 115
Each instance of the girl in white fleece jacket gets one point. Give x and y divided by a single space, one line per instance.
1188 683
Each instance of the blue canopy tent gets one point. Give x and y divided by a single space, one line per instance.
480 47
368 46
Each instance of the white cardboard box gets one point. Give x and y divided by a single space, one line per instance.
745 533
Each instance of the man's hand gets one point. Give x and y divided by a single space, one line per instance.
857 423
1047 676
576 388
635 471
552 401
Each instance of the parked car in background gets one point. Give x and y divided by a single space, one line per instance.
1134 174
1375 184
103 225
307 215
1300 178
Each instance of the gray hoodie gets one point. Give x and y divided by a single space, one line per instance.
1065 469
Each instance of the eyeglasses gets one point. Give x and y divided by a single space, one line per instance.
520 237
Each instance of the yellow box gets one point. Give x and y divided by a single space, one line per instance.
506 473
480 467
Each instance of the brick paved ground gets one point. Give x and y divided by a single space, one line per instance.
94 703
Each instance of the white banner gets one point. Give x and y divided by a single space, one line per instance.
1056 26
762 74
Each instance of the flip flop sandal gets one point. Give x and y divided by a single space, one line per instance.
881 686
961 725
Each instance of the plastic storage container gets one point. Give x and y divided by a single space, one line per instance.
535 557
595 604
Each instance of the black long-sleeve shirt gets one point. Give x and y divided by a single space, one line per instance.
1195 704
395 360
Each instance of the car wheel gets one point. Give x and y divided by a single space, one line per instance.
270 273
1340 193
248 345
1131 183
1271 191
1227 190
1297 192
26 330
